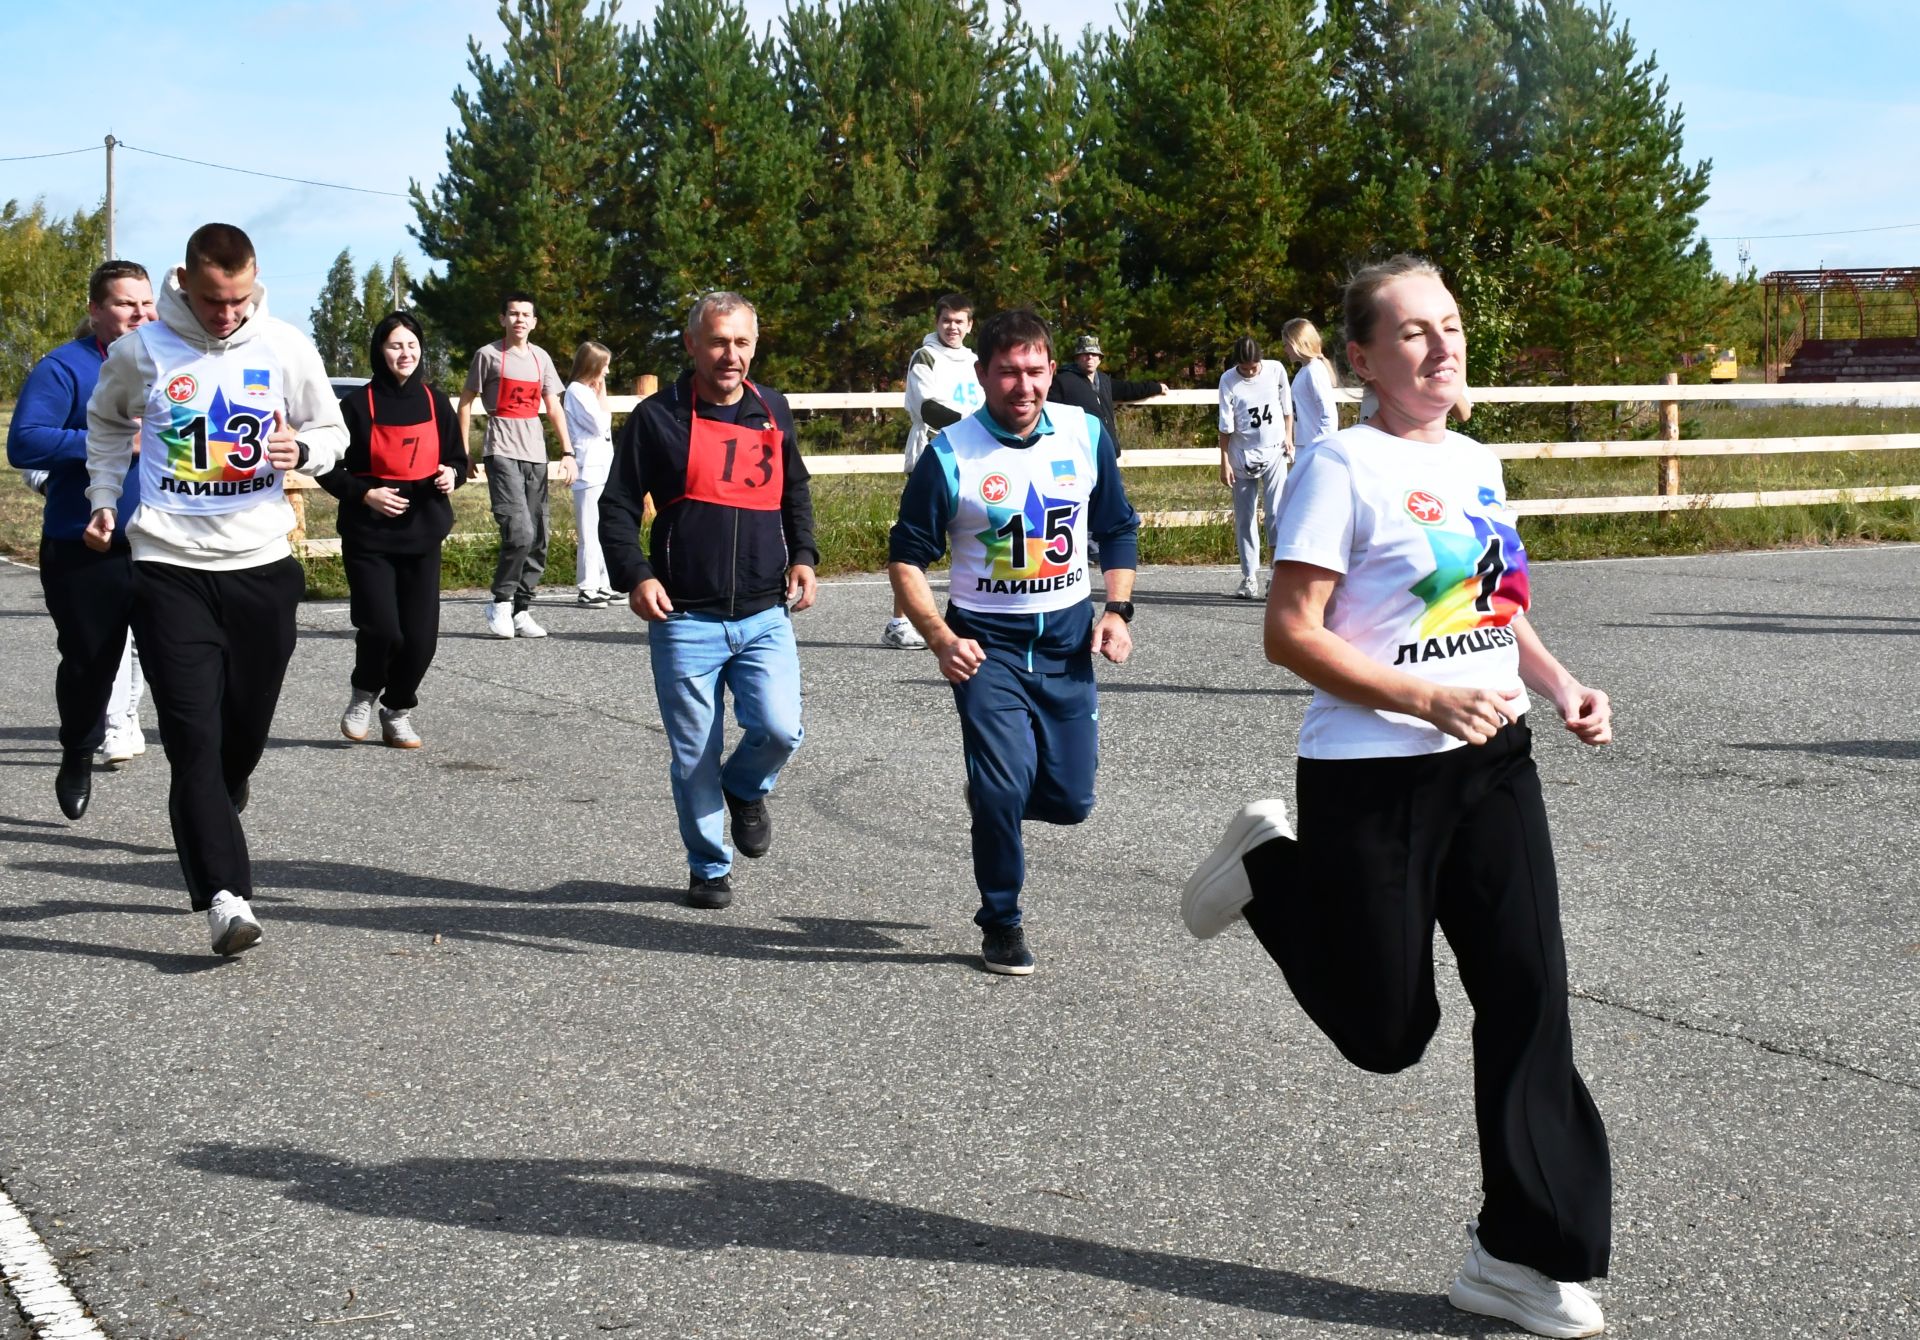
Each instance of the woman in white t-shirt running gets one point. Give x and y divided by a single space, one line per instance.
1400 592
590 430
1256 446
1314 413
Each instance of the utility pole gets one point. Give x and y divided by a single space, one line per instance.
111 142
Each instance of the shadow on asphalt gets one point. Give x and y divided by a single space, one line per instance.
554 922
172 964
1856 625
1843 748
1185 690
687 1207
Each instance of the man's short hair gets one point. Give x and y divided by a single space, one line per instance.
719 303
222 247
952 302
1011 330
517 296
105 276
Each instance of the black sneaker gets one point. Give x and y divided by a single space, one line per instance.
73 783
752 825
1005 951
712 894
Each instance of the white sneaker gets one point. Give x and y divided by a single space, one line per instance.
900 634
1218 893
122 746
396 730
524 626
230 919
500 618
1247 590
357 720
1522 1295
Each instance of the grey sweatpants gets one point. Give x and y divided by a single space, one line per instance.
518 492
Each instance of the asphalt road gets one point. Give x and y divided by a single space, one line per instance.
487 1077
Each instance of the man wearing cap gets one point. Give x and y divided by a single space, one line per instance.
1082 383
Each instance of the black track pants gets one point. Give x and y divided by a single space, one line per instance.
90 596
1387 848
215 647
396 610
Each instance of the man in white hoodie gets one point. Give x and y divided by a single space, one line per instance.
942 388
213 403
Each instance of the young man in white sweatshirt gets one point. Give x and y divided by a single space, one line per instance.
943 387
213 403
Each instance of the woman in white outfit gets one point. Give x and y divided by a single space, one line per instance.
1256 446
590 428
1314 413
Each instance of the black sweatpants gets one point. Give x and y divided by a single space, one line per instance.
1387 847
396 608
90 596
215 647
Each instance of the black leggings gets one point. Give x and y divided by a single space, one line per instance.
1387 848
90 596
215 647
396 608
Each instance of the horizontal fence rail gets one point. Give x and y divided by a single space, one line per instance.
1668 449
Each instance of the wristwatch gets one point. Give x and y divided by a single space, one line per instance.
1124 608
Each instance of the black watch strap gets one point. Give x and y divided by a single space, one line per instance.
1124 608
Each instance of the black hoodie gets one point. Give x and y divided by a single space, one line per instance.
424 524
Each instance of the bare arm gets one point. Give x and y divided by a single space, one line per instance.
959 656
557 416
1298 639
466 431
1226 464
1587 712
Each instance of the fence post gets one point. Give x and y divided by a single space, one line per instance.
1669 482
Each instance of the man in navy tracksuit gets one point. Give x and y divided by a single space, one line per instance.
731 554
89 590
1017 490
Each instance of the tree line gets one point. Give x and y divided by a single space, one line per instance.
1208 168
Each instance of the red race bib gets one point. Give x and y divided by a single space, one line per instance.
516 399
735 466
404 451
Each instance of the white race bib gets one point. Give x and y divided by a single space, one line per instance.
1019 529
203 437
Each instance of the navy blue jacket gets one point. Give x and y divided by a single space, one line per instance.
49 432
1049 643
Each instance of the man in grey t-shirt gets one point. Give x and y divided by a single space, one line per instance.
514 381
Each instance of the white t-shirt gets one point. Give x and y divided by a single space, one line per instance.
1315 414
590 431
1433 573
1254 412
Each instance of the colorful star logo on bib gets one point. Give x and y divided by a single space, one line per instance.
1478 580
1033 541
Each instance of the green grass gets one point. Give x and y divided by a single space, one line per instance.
853 512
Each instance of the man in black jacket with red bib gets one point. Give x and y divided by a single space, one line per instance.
731 554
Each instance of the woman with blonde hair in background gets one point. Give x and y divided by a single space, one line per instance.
590 427
1314 413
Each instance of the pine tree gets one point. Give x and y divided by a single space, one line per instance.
520 205
339 321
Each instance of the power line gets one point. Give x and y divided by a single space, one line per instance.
249 172
1838 232
64 153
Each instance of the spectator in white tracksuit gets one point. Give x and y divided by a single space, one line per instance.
1256 447
942 388
590 430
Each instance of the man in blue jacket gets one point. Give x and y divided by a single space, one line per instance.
731 554
1018 490
89 592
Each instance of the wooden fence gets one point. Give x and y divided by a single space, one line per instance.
1666 451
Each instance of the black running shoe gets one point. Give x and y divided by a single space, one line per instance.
712 894
73 783
1005 951
752 825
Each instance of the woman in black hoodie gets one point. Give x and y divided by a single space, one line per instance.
404 457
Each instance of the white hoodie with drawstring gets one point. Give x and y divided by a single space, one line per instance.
228 540
943 377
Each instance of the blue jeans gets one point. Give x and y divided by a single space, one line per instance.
694 657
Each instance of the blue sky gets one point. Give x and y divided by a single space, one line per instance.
1811 115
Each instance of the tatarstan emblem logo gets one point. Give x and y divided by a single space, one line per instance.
1425 508
182 388
995 488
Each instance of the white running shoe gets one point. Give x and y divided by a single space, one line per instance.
357 721
122 746
500 618
900 634
1247 590
524 626
1522 1295
1218 893
396 730
231 922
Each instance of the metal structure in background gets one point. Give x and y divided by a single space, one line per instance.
1841 325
